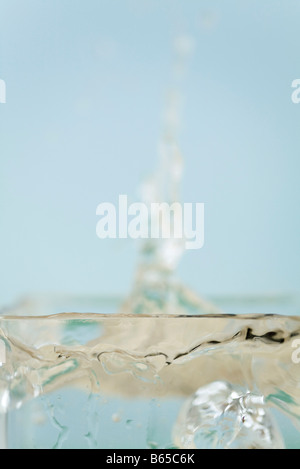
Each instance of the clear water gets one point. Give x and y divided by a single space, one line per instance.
131 379
113 381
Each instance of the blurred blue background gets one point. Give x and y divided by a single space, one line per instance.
86 89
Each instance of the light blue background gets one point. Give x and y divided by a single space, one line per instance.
86 86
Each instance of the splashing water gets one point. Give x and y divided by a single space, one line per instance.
135 360
176 369
155 288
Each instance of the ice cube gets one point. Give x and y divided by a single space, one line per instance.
220 416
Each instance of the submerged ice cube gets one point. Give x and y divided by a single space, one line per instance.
219 416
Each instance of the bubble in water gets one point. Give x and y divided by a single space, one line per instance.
116 418
219 416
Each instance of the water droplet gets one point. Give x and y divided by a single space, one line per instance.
116 417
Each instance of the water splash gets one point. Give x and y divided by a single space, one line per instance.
166 342
156 289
